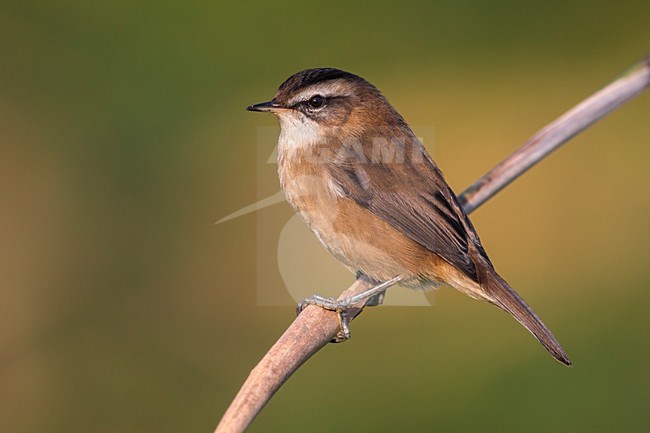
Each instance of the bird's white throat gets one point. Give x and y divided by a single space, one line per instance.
297 132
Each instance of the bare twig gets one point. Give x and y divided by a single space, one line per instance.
315 327
556 134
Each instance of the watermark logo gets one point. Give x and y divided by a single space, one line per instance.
291 262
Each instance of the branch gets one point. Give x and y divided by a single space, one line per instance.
556 134
315 327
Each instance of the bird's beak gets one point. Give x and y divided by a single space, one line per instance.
265 106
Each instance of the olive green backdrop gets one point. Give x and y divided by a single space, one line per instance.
123 138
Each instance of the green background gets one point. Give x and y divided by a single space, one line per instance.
123 138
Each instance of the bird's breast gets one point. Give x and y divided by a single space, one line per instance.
309 188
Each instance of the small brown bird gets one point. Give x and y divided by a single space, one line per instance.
354 171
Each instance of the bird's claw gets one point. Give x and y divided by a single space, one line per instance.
331 304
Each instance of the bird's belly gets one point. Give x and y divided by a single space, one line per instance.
359 239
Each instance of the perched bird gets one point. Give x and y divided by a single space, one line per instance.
354 171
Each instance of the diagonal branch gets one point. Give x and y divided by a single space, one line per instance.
557 133
315 327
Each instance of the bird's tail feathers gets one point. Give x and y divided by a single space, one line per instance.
504 297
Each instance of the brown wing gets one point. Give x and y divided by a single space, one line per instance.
414 198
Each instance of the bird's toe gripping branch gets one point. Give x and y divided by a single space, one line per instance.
339 306
373 295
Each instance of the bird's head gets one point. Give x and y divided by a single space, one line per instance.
326 102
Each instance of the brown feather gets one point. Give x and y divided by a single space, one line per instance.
503 296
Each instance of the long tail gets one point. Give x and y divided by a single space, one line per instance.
504 297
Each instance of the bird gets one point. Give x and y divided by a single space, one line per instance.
351 167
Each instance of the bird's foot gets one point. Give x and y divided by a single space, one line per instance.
373 296
339 306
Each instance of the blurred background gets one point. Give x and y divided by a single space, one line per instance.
123 138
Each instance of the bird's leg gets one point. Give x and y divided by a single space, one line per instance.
341 306
375 300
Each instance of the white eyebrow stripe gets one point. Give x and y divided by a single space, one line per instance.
326 90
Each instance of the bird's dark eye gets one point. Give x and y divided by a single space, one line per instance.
316 101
